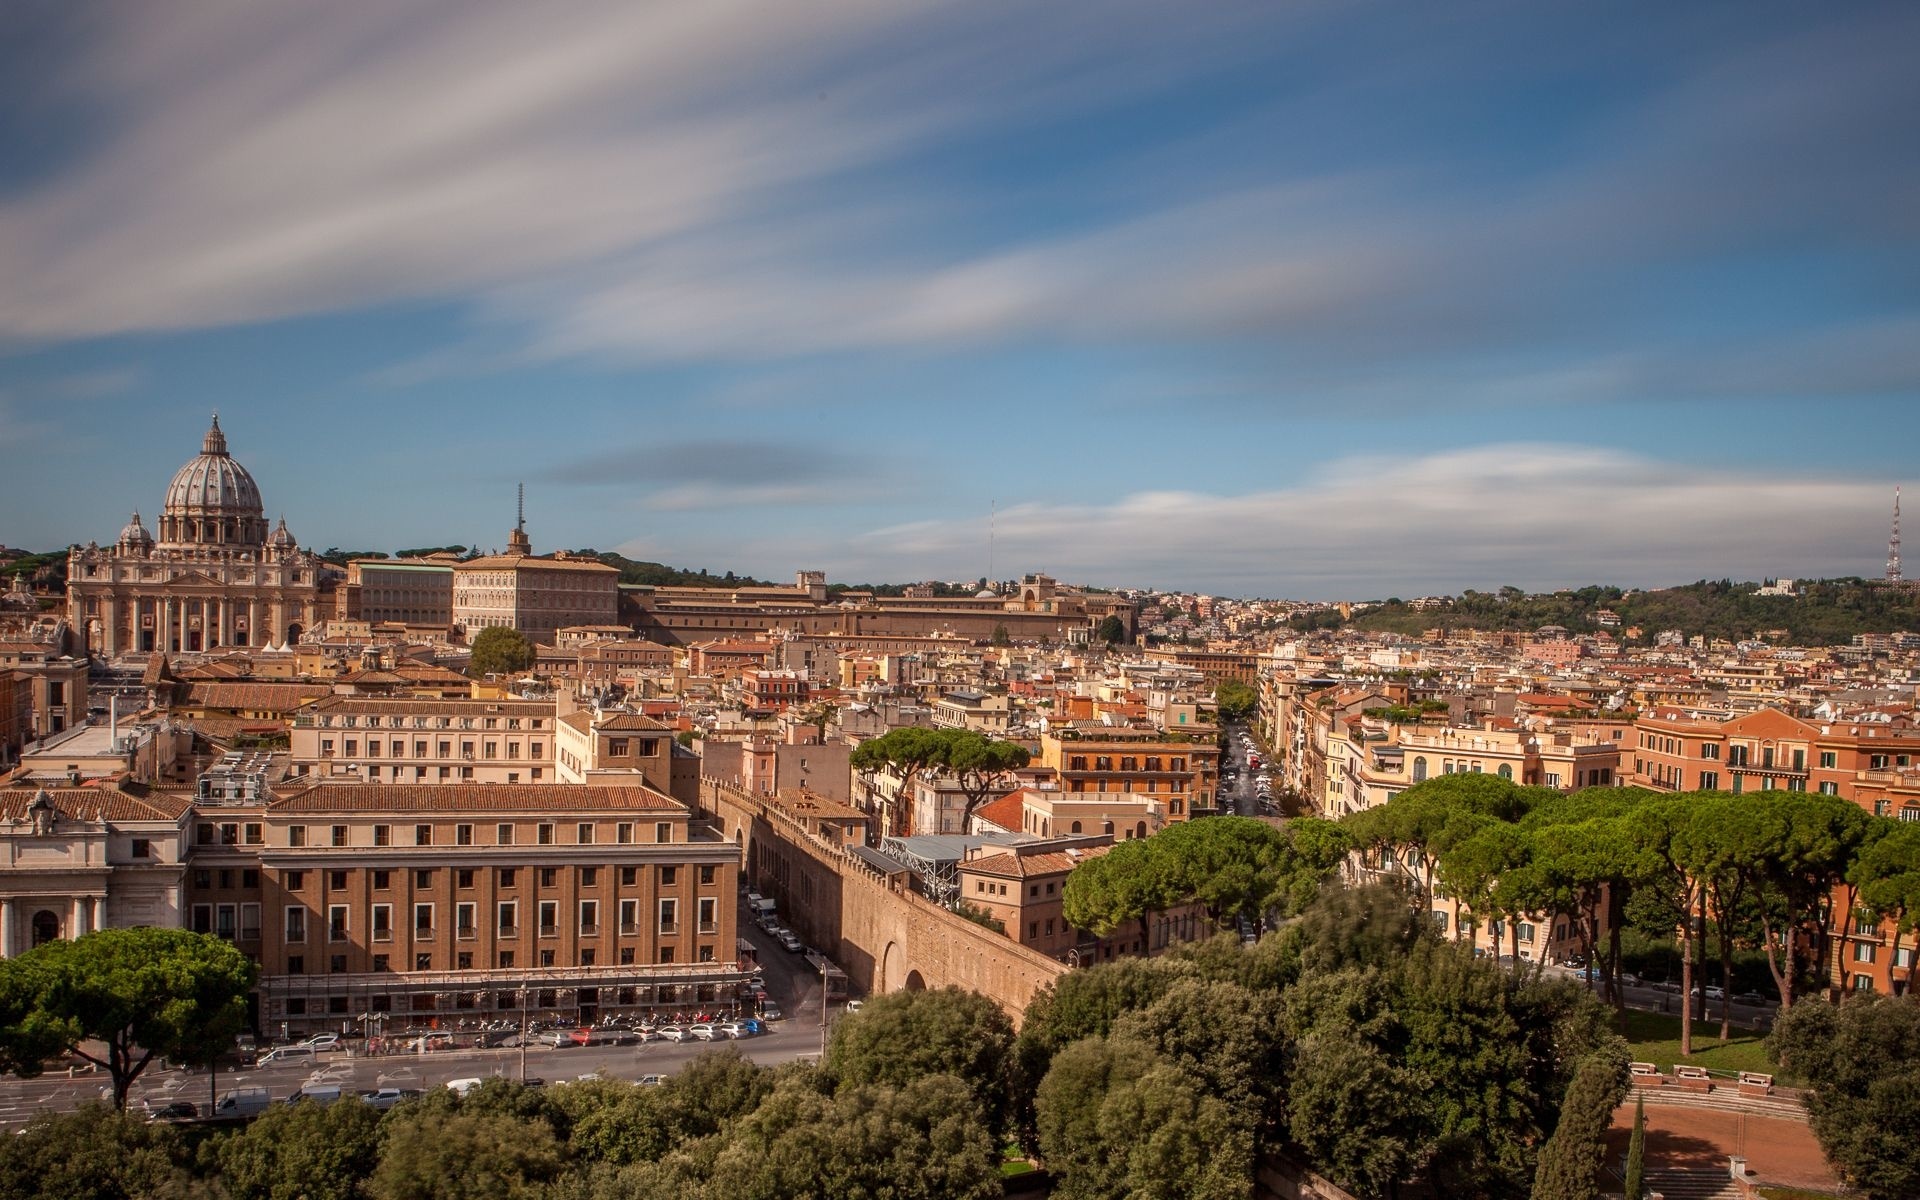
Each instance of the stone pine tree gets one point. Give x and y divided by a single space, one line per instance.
499 650
1637 1152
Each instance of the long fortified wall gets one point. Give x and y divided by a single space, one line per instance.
884 935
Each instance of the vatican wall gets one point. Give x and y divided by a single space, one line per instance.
883 935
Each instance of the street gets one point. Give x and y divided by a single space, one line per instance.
791 983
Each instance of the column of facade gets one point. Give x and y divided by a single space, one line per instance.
79 924
220 621
6 928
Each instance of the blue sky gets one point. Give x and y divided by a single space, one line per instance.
1308 300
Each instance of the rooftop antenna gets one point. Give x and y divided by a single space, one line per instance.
993 515
520 509
1893 540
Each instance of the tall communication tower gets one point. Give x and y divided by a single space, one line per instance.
1893 541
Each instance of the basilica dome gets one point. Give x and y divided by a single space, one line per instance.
212 500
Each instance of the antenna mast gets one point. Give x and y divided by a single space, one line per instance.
520 509
993 515
1893 540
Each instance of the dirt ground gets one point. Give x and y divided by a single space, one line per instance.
1777 1150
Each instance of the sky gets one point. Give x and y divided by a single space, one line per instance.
1308 300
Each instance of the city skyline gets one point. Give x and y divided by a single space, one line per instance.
1324 302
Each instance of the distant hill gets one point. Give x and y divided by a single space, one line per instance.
661 575
1828 612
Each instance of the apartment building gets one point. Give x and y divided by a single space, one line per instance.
1175 774
417 741
968 709
617 747
365 903
1873 764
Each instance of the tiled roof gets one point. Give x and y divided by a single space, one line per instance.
255 696
94 804
1005 813
517 562
427 707
1030 866
474 797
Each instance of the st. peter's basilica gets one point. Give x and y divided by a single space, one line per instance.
215 577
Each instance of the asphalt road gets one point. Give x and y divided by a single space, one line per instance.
791 982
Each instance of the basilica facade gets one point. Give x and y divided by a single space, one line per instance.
215 576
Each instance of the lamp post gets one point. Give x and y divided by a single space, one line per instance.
523 1035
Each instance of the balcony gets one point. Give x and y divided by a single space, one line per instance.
709 927
589 931
669 928
466 933
423 933
508 931
383 935
547 931
629 928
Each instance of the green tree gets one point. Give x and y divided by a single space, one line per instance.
922 1140
1110 630
1637 1152
907 751
1570 1163
903 1036
982 766
716 1089
431 1155
1887 874
1863 1059
1356 1113
92 1153
139 993
499 650
1001 637
302 1152
1234 700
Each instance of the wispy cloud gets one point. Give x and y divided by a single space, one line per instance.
1515 513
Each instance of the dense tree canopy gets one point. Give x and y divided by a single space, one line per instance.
499 650
1235 701
138 993
1863 1060
978 763
904 1036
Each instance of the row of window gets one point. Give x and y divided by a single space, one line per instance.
397 748
352 721
584 833
466 918
504 960
1128 762
463 877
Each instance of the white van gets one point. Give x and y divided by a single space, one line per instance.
319 1093
281 1056
460 1087
241 1103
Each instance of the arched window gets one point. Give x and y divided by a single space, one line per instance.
1076 827
1420 769
1506 771
1140 830
46 928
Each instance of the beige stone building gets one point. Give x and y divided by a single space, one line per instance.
425 741
215 575
539 596
76 859
367 903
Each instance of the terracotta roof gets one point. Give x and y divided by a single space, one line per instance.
255 696
409 705
518 562
1005 813
94 804
1030 866
474 797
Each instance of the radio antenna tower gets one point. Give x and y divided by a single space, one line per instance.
520 508
1893 540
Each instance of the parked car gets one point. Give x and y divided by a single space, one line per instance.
1713 993
242 1102
732 1029
771 1012
286 1056
321 1042
706 1031
673 1033
790 943
652 1080
385 1098
1753 999
174 1110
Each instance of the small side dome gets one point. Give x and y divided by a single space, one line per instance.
135 534
281 539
